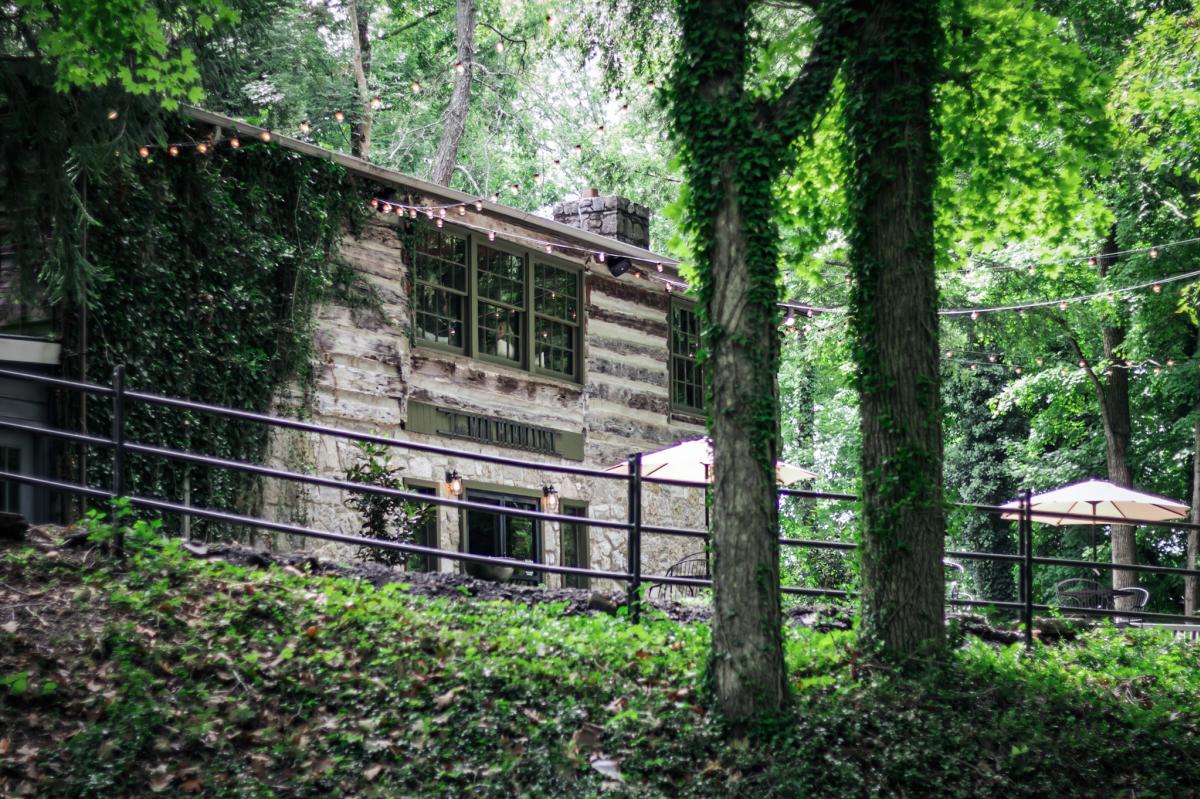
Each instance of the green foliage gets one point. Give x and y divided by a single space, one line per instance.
207 678
383 517
212 266
91 43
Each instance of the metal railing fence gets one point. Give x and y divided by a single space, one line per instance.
633 577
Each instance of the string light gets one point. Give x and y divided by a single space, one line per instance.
376 104
1153 252
460 68
173 150
479 205
339 116
112 115
499 45
305 127
202 148
234 142
144 151
416 87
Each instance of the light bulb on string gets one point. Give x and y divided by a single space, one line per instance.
991 358
112 115
1153 252
1062 306
578 149
462 210
949 353
460 68
412 212
416 87
499 45
789 321
479 205
549 248
549 19
374 202
442 213
599 128
1040 361
1082 363
265 135
1032 271
429 213
339 116
305 127
600 257
173 150
659 267
650 85
1158 370
495 197
1092 261
1170 361
1017 369
1157 288
376 104
439 222
515 188
144 151
537 178
235 142
202 148
491 235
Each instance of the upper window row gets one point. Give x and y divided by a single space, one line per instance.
495 303
514 307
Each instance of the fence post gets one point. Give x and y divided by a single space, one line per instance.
634 548
118 464
1027 567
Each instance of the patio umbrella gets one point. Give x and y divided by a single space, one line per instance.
1098 498
691 462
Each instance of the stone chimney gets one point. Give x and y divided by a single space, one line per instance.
615 217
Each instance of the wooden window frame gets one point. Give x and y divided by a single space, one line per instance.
530 261
465 294
674 357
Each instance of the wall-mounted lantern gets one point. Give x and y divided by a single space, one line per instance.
549 499
454 484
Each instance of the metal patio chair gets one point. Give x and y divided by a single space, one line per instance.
694 565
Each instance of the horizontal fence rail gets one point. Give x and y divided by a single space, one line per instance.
634 526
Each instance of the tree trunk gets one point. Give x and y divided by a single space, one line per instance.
460 101
748 672
1113 395
1193 536
889 94
360 46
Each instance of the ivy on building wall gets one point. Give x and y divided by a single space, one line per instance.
212 267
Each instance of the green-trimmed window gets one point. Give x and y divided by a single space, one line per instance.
440 273
556 319
575 549
687 376
496 302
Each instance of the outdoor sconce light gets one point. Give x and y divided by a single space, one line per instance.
454 483
550 499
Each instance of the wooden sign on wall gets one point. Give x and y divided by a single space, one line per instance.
434 420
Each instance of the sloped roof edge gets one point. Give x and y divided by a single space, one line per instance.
391 177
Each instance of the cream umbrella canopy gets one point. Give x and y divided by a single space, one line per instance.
691 462
1098 498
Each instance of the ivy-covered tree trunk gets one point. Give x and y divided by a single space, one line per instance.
454 123
977 471
360 47
734 145
889 95
1191 584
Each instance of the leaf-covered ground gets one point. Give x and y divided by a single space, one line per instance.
169 676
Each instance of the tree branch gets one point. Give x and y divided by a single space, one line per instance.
793 112
412 24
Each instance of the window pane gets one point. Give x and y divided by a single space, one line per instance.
425 533
556 293
440 258
501 277
438 315
574 548
555 346
500 331
687 377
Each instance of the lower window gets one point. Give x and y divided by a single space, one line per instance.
425 534
504 536
575 550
